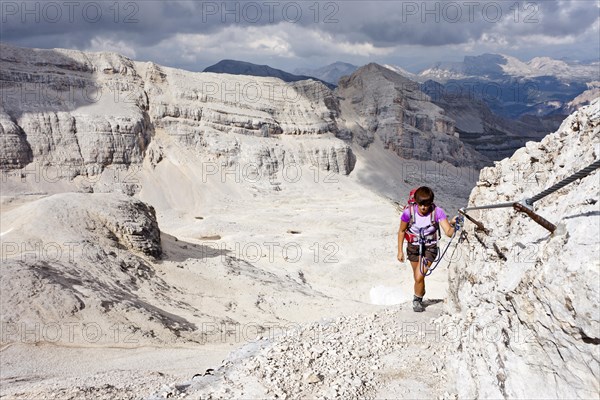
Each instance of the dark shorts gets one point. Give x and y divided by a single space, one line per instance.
412 252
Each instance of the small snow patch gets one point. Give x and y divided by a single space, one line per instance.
387 295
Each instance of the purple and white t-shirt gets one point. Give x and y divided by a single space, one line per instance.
422 221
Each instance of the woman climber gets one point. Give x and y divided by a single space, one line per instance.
419 225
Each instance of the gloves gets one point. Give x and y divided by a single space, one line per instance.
460 220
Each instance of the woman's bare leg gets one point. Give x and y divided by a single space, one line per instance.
419 278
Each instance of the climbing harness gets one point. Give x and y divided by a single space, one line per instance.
414 238
526 205
423 260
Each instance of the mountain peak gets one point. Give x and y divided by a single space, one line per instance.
402 72
330 73
374 70
235 67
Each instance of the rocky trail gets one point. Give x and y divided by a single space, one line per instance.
390 353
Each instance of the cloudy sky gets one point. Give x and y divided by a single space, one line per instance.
289 34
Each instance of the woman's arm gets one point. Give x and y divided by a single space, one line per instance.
448 229
401 232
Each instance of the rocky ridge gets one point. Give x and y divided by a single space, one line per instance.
584 98
330 73
403 118
525 301
235 67
88 111
94 273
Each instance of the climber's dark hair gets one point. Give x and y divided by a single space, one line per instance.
424 196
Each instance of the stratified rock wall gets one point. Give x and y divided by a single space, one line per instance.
523 301
379 103
86 111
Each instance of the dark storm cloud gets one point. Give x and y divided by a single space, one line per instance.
382 24
147 22
434 23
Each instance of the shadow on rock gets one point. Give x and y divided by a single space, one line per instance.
179 250
430 302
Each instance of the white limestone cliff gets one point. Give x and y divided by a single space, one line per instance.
378 102
91 110
523 303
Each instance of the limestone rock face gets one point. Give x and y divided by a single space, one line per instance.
135 229
16 152
87 111
525 302
91 110
212 110
379 104
97 265
78 110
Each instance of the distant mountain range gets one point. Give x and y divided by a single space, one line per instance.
512 88
491 67
330 73
235 67
498 102
501 67
490 134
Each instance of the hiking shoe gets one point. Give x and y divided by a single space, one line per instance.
418 306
